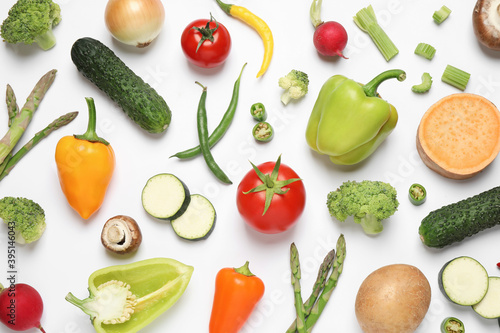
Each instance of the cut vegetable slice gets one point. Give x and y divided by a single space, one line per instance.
489 307
455 77
165 196
425 50
198 221
441 14
459 135
463 281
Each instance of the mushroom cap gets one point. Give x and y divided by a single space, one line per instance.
121 234
486 23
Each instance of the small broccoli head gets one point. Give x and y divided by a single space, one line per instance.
31 21
296 85
368 202
25 216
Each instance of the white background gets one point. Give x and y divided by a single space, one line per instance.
70 250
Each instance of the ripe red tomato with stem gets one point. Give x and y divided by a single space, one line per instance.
206 43
271 197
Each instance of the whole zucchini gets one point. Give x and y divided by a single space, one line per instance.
457 221
137 98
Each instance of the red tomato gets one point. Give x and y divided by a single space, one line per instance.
284 210
211 53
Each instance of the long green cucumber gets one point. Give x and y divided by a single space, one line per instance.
109 73
457 221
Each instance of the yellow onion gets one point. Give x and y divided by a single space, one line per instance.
135 22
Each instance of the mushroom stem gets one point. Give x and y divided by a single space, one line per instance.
116 234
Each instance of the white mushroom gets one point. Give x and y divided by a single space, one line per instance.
121 234
486 23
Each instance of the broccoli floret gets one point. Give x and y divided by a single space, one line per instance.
368 202
295 84
32 21
26 217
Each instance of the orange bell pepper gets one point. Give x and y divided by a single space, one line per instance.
237 292
85 165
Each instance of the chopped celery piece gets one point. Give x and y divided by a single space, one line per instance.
442 14
425 86
455 77
366 20
425 50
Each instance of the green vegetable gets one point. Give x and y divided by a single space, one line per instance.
417 194
425 50
319 284
221 129
126 298
203 138
366 20
8 164
369 202
24 216
258 111
299 307
425 86
12 107
263 132
24 116
349 120
137 98
441 14
198 221
31 21
455 77
295 83
452 325
489 307
457 221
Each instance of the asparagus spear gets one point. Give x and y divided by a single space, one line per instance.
299 306
10 163
330 285
12 107
23 118
319 284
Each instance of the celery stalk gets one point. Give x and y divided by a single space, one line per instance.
455 77
425 50
441 14
366 20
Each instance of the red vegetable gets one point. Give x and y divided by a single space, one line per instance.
21 307
330 38
271 197
206 43
237 292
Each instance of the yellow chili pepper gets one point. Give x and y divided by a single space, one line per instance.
85 164
259 25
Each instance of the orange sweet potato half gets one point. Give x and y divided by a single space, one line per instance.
459 135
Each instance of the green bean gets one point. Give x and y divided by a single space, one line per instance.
221 129
203 138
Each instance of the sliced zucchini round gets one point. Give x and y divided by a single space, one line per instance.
463 281
489 307
165 196
198 221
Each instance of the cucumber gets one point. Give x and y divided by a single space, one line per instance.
489 307
198 221
463 281
457 221
165 196
138 99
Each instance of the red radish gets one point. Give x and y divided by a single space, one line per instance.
330 38
21 307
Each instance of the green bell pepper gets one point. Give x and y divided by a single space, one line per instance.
350 120
126 298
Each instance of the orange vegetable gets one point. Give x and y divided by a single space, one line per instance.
459 135
85 164
237 292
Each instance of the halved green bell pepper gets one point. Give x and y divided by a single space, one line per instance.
350 120
126 298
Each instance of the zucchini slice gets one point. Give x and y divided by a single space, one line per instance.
489 307
165 196
463 281
198 221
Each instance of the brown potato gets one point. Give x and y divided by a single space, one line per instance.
393 299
